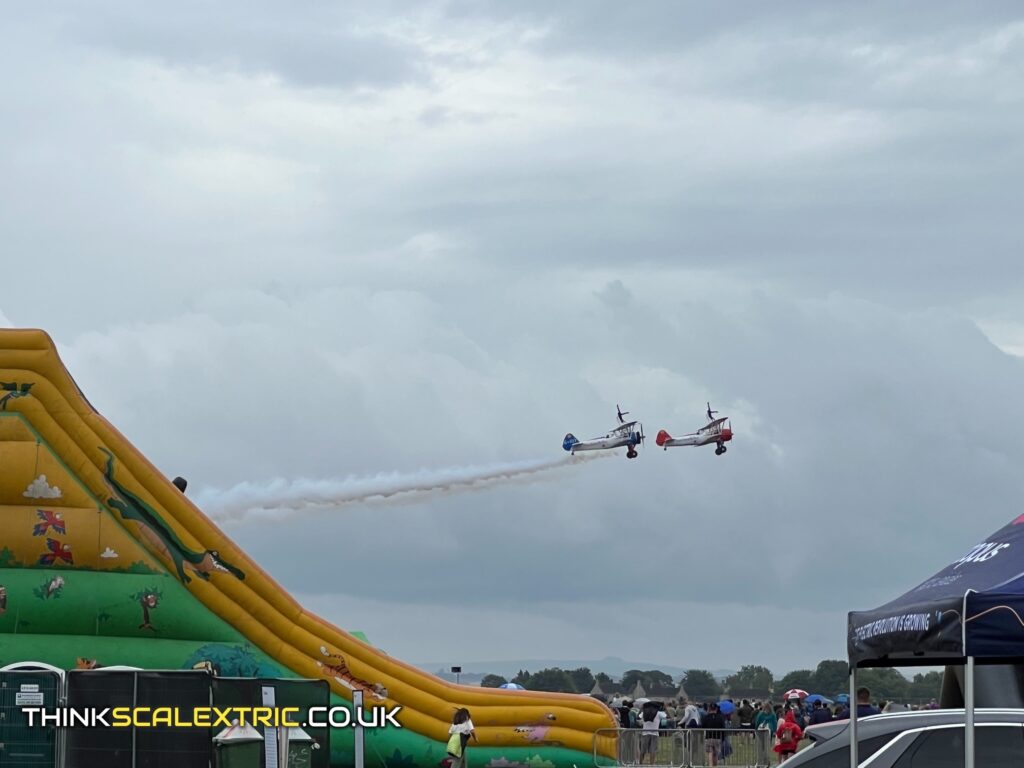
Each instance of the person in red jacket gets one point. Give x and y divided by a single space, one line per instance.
787 737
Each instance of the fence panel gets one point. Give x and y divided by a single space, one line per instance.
685 748
736 748
138 747
20 745
93 747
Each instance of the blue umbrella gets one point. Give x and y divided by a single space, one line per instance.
515 686
843 698
817 697
726 707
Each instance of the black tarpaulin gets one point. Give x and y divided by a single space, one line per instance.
144 746
169 746
91 747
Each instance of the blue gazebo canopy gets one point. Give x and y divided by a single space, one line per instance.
972 607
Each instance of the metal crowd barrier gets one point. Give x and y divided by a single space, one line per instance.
684 747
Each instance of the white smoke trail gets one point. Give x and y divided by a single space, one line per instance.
280 498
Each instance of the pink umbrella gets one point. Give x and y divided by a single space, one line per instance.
794 693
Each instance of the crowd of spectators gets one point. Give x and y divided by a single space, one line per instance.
787 721
681 713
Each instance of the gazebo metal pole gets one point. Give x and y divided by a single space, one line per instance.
854 761
968 689
969 713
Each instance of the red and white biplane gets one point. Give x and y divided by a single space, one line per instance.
716 431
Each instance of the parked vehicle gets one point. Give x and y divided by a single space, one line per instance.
926 739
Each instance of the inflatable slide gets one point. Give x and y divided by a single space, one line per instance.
103 561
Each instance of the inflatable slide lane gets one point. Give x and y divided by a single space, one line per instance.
103 561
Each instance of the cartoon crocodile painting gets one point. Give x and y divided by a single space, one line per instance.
160 535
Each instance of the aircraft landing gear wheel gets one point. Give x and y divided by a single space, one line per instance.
719 450
631 454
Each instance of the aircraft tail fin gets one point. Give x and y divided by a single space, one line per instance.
663 437
569 441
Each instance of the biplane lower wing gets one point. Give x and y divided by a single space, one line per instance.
717 433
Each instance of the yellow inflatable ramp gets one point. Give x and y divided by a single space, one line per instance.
103 561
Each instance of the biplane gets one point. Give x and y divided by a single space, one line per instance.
628 434
717 431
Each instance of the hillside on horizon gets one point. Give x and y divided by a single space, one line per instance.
613 666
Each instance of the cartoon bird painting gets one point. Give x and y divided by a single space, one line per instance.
57 552
50 520
53 587
14 391
50 588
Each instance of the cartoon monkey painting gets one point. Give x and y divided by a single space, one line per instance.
148 601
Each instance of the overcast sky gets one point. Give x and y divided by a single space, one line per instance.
318 240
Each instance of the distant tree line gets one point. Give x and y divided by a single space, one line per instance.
579 680
829 678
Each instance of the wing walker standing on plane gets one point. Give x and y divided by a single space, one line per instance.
622 435
716 431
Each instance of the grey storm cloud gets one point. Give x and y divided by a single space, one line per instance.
309 44
303 241
604 27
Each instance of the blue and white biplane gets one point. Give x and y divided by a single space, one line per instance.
628 435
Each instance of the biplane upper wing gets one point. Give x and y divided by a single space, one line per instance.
714 426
